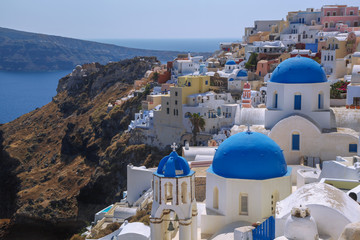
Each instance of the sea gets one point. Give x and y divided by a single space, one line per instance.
22 92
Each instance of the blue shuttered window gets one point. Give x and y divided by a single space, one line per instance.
297 102
276 100
295 142
353 148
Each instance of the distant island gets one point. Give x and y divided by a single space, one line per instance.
25 51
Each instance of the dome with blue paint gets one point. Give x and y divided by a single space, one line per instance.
242 73
249 155
298 70
173 166
230 62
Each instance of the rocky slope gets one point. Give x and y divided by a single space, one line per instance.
63 162
24 51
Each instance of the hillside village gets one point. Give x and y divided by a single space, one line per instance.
265 137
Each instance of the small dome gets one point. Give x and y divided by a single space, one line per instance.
242 73
298 70
231 79
173 165
249 155
230 62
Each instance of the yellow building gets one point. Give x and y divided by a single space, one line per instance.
151 102
168 122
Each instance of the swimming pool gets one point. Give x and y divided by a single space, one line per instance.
107 209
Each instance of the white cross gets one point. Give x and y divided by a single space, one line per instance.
174 146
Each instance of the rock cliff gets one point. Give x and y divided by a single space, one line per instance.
65 161
25 51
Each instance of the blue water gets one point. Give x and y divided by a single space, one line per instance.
22 92
186 45
107 209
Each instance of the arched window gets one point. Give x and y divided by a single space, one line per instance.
332 58
216 198
243 204
297 101
275 100
295 144
320 100
218 111
184 192
168 192
156 190
328 14
326 25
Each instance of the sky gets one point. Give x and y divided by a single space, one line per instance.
150 19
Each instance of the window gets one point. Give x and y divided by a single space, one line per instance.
328 14
351 13
326 25
332 58
206 82
175 102
216 198
176 93
167 111
297 102
353 147
275 100
295 146
334 13
168 192
320 100
189 84
243 204
156 190
356 24
184 192
318 19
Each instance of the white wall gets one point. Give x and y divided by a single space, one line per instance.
259 199
138 180
309 103
313 143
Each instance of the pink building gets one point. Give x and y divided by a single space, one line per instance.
337 14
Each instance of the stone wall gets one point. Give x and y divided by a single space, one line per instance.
200 188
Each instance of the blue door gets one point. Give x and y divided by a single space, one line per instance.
297 102
276 100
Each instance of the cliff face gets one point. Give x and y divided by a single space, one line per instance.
65 161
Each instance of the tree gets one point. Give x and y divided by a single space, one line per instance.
198 124
252 62
155 76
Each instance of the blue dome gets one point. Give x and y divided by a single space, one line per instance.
249 155
231 79
230 62
242 73
173 166
298 70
